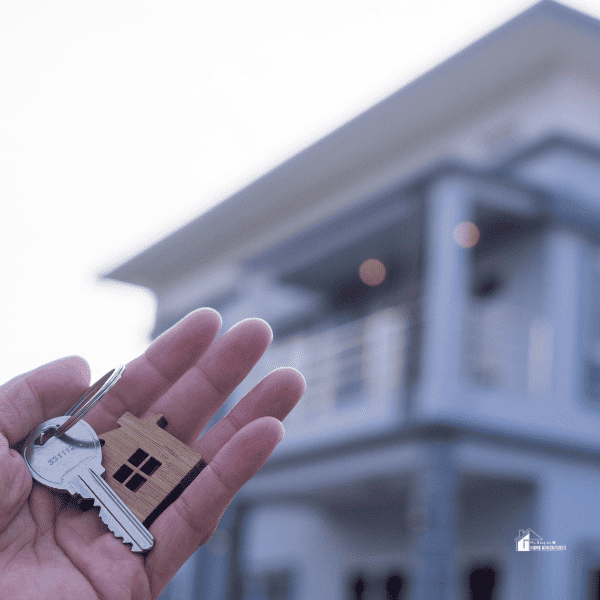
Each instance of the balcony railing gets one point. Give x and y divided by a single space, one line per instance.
506 350
347 367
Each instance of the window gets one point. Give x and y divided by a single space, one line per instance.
507 338
394 585
359 586
482 583
141 462
593 592
371 587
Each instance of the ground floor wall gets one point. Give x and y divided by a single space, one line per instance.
308 547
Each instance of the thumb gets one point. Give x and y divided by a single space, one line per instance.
15 483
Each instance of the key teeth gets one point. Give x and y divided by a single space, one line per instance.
116 529
96 488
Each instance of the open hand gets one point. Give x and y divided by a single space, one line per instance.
49 548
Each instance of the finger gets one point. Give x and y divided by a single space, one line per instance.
274 396
193 517
46 392
15 483
148 377
191 402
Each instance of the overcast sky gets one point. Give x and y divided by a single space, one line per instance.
120 122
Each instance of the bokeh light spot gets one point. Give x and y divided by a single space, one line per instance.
372 272
466 234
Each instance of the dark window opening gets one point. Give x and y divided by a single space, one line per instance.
359 587
138 457
498 229
593 585
136 482
487 287
393 587
150 466
350 294
123 473
370 586
482 583
355 295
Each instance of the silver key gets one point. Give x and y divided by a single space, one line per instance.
73 462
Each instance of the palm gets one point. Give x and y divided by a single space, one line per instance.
49 548
43 552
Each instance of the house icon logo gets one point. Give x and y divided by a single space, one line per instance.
525 538
529 540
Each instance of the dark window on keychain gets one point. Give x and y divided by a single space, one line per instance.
149 467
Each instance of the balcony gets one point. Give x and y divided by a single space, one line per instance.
356 375
507 337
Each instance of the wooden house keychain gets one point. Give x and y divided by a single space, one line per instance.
146 468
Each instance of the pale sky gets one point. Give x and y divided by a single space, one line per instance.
120 122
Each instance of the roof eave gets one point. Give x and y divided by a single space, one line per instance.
400 126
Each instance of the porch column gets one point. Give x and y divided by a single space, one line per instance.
435 575
565 284
445 294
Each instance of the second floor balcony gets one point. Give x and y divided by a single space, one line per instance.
358 375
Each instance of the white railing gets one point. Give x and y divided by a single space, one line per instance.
507 350
344 366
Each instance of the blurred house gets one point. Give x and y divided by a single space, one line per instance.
433 268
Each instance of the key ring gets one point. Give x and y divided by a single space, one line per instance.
88 400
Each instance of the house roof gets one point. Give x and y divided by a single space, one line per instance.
388 142
534 535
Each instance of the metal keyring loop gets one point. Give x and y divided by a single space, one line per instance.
89 399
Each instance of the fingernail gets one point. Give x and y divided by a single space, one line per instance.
197 310
205 309
252 319
282 432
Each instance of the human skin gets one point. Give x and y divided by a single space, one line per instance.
49 548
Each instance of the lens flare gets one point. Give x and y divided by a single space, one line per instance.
372 272
466 234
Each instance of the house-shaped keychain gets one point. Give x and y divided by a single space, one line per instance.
147 467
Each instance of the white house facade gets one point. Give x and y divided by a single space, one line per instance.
455 404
